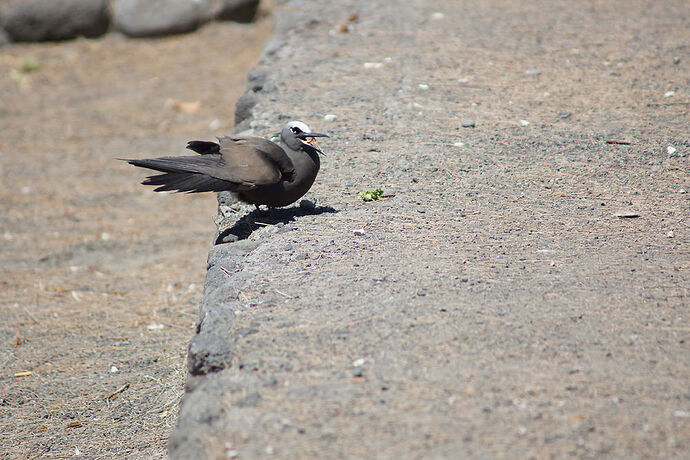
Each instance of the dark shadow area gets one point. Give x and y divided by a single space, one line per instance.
256 219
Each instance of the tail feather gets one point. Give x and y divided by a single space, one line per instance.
188 182
184 174
179 164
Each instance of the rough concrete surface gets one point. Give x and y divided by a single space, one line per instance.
522 291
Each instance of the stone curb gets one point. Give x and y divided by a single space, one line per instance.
210 374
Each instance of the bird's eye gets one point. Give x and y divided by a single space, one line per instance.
295 130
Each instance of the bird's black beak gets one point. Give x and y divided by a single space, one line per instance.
305 136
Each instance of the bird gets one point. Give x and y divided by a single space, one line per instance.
256 170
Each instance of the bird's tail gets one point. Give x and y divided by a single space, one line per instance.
182 174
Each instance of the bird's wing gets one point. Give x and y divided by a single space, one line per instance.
253 161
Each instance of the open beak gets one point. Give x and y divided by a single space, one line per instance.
312 140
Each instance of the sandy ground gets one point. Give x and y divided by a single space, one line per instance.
100 278
494 305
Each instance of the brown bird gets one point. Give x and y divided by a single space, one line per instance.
256 170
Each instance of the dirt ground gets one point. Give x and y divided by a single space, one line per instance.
494 305
100 278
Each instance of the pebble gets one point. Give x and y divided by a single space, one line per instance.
676 60
373 65
670 150
669 93
330 117
114 369
468 123
423 86
670 234
437 16
682 191
459 144
524 123
533 72
564 115
359 232
307 204
657 168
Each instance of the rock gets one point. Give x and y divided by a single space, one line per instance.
468 123
238 10
148 18
244 106
4 38
41 20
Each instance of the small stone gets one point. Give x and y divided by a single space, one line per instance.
563 115
524 123
373 65
459 144
437 16
657 168
359 232
669 93
533 72
307 204
676 60
214 124
468 123
670 150
358 362
670 234
682 191
114 369
330 117
423 86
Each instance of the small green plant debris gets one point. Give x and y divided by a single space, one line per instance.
28 64
371 195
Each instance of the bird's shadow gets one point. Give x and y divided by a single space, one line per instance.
256 219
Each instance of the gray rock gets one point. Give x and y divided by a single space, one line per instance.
148 18
244 106
238 10
4 38
210 352
468 123
41 20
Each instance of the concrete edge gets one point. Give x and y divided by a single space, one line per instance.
210 375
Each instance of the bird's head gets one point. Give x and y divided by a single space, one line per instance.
296 135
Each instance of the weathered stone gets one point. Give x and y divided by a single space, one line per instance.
244 106
4 38
147 18
41 20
